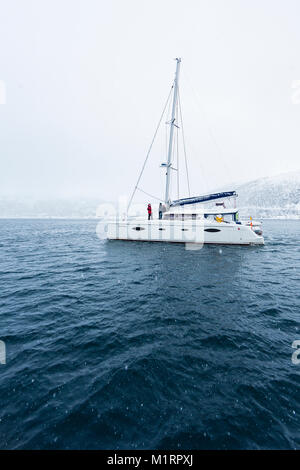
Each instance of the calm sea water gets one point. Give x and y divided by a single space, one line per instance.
127 345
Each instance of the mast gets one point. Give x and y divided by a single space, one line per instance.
172 123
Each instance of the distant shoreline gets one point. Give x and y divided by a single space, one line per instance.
49 218
279 217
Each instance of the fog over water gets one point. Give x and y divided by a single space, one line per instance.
83 85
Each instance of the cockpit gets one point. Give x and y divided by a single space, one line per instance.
227 216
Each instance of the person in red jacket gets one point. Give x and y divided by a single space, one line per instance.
149 209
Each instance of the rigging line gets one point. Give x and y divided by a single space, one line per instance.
210 129
168 127
177 164
184 148
154 197
174 185
148 153
177 150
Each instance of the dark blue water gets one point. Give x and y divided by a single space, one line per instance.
128 345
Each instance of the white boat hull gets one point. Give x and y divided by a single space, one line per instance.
198 232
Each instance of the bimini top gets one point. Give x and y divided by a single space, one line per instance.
196 199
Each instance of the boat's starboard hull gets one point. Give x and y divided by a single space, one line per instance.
183 232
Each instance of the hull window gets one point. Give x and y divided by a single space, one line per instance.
212 230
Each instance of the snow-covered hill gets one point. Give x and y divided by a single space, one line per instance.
277 196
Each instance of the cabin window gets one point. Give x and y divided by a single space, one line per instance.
138 228
228 217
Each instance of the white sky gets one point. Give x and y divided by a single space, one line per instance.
86 81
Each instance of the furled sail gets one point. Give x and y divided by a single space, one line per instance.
196 199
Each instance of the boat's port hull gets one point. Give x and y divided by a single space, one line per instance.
183 232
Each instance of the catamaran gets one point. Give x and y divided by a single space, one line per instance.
195 220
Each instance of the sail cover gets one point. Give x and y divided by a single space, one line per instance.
196 199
